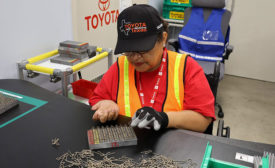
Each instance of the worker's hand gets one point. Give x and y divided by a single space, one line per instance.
148 117
105 110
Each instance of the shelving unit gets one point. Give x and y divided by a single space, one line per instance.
42 65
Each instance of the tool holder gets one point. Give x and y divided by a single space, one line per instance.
111 136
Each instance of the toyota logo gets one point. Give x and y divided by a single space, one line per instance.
103 4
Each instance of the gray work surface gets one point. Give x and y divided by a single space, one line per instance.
26 142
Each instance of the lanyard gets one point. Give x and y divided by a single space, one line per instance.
156 87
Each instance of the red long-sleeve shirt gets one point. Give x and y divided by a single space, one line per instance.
197 93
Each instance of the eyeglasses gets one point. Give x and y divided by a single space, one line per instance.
132 54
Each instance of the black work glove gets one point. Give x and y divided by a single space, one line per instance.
148 117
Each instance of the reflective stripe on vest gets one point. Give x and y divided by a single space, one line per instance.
128 99
176 79
126 89
201 57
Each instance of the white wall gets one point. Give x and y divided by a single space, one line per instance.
104 35
29 28
101 35
141 1
253 34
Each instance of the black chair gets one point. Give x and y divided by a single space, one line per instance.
214 70
213 81
222 131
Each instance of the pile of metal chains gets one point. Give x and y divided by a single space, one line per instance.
87 159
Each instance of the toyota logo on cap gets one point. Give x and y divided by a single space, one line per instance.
103 4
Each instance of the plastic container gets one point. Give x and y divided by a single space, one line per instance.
173 12
182 3
83 88
209 162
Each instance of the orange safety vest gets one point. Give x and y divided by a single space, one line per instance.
128 98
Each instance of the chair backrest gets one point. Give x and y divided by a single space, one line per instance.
206 30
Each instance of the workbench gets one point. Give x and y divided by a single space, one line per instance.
25 138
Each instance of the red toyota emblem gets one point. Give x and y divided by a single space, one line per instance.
103 4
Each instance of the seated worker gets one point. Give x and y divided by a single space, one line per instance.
158 88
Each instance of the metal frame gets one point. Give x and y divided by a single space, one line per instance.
64 75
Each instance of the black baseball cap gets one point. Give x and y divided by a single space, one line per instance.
138 27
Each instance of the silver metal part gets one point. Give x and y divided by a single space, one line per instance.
110 56
21 66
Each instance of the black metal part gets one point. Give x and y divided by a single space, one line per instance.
92 51
31 74
79 75
220 111
223 131
229 49
54 78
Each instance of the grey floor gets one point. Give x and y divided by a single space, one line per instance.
249 108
